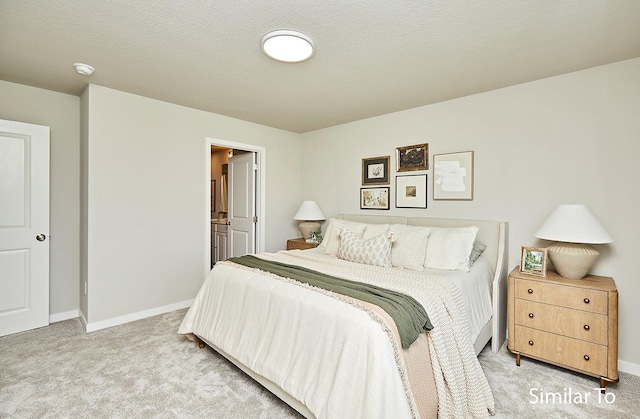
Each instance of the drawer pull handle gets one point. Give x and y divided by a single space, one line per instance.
531 315
586 301
586 357
530 291
531 342
586 327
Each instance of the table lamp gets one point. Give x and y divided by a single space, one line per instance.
573 228
309 213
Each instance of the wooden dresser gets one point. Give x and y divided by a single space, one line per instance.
572 323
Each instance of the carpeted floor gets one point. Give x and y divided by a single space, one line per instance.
144 369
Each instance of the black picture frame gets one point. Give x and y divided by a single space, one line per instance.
374 198
411 191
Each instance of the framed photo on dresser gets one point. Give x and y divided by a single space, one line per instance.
533 261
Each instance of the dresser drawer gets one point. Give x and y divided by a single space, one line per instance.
564 351
576 324
300 244
561 295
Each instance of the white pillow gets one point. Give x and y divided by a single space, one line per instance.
373 230
449 248
331 240
374 251
409 246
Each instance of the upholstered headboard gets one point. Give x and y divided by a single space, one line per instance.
491 233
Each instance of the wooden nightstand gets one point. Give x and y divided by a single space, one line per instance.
300 244
572 323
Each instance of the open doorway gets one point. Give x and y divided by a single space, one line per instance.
226 233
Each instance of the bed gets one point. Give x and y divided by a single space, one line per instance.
328 354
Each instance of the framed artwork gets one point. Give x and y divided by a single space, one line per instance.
411 191
453 176
375 171
533 261
413 157
374 198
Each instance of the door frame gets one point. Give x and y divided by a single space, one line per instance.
261 159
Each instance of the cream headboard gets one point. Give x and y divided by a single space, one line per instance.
491 233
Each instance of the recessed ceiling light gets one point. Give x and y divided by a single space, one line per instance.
84 69
287 46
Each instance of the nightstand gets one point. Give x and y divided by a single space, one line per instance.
300 244
571 323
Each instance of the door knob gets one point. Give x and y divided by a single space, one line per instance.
41 237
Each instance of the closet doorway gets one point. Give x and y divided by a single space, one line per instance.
235 176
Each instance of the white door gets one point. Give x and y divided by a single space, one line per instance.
24 227
242 204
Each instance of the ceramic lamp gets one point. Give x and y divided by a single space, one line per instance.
573 228
309 214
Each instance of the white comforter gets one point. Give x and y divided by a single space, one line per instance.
333 358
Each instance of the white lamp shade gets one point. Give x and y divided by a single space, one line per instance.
573 224
309 211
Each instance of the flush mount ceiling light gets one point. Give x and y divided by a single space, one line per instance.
287 46
84 69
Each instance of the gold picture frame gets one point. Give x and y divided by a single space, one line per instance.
375 170
412 157
533 261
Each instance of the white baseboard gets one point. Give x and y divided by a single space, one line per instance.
629 367
83 320
58 317
103 324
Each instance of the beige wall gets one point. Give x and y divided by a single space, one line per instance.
567 139
60 112
146 208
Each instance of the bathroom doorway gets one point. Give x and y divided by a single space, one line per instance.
225 230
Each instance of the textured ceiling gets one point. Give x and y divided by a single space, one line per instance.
372 57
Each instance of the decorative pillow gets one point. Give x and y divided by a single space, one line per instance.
409 246
450 248
478 248
374 251
331 241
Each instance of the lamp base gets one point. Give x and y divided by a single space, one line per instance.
307 227
572 260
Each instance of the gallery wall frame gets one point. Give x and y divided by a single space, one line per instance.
453 176
374 198
411 191
412 157
375 170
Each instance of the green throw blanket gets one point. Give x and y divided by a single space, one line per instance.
410 317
